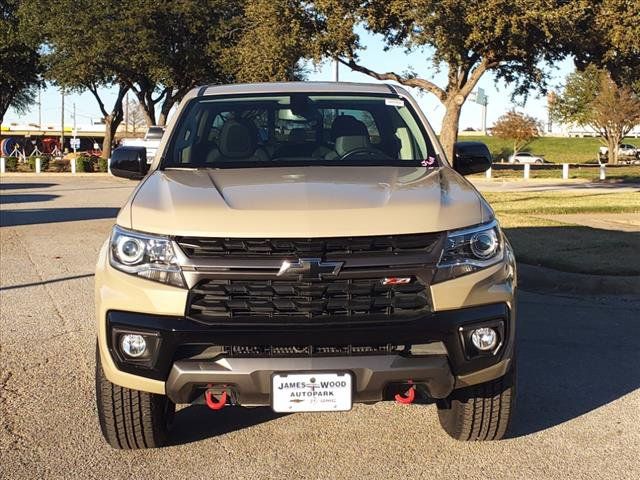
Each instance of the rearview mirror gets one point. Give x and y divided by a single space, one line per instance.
471 157
129 162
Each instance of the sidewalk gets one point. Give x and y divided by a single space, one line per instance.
624 222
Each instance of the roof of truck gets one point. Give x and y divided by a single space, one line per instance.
297 87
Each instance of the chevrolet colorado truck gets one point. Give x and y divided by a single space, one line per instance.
303 246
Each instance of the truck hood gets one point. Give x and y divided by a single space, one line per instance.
303 202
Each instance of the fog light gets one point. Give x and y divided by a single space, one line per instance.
133 345
484 339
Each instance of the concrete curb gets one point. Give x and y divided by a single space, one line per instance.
54 174
542 279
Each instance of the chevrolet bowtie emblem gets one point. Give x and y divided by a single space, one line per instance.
311 268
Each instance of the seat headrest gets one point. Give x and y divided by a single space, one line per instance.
346 144
238 138
297 135
347 126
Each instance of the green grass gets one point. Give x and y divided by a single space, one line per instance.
564 246
554 149
551 203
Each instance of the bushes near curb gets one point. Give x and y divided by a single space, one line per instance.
103 165
11 164
44 163
84 163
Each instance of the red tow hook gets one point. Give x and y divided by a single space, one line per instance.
410 395
214 404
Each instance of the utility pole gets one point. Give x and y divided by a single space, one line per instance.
40 107
75 134
336 71
62 124
126 115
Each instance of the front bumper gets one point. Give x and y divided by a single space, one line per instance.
250 378
179 363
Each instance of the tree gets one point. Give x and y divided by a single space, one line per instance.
135 117
467 39
275 36
591 98
518 127
20 66
607 35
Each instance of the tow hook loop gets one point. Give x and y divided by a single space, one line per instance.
409 395
214 404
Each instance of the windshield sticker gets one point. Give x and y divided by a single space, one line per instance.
396 102
429 162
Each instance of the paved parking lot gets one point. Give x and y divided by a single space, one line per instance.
578 405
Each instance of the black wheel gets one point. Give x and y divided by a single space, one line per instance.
131 419
480 412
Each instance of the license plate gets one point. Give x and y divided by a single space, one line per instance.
311 392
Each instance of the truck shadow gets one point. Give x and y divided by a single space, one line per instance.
14 218
198 422
574 356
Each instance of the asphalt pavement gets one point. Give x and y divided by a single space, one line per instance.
577 412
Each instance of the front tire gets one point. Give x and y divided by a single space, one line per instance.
131 419
481 412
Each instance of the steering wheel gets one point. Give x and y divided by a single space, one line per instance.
365 151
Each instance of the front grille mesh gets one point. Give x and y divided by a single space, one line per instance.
310 351
309 247
240 302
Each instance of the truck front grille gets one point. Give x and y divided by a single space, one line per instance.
307 247
310 351
286 302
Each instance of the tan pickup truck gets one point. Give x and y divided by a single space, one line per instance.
303 246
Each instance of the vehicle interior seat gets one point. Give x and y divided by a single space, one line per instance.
238 141
348 134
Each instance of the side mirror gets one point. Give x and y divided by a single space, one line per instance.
129 162
471 157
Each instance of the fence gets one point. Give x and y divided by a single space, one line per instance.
524 171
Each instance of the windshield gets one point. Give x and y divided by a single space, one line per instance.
301 129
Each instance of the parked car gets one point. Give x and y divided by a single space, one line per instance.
525 157
625 150
341 261
151 141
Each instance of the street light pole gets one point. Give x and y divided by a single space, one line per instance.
336 71
62 124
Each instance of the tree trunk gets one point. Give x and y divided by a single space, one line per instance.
112 122
167 105
449 132
612 150
148 107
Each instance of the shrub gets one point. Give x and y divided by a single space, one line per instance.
44 163
61 166
103 164
11 164
84 164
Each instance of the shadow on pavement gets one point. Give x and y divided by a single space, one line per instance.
198 422
23 186
46 282
27 198
12 218
574 357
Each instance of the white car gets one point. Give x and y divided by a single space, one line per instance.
525 157
624 150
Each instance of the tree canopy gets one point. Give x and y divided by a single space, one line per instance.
20 66
607 35
591 98
465 39
518 127
160 50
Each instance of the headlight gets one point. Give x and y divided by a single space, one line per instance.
145 255
469 250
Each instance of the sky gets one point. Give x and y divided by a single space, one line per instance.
373 56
